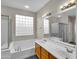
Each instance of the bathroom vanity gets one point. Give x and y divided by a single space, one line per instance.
43 53
47 49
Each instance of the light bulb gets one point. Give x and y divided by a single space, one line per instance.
26 6
61 7
72 1
65 4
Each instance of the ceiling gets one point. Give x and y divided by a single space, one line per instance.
34 5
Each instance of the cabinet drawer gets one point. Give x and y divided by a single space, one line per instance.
44 52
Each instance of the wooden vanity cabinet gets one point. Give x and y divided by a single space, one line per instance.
52 57
42 53
38 50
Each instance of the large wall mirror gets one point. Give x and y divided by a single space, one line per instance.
63 26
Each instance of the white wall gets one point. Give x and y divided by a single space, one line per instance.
11 12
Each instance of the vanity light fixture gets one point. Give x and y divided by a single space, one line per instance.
26 6
65 4
72 1
68 4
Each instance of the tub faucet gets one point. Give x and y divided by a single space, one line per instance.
18 49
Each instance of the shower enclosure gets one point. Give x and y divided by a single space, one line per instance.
4 31
59 30
63 31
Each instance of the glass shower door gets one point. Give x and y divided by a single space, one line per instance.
63 31
4 32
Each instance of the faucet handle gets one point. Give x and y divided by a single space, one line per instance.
69 50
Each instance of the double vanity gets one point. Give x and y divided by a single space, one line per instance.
51 49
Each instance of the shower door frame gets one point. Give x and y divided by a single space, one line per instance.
63 32
8 32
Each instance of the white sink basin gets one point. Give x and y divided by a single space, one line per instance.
72 55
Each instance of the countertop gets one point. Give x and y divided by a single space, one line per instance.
55 49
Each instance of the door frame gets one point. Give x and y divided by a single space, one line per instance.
8 30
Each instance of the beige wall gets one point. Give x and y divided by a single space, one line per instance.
11 12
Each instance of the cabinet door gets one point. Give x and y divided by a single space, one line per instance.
44 54
37 50
52 57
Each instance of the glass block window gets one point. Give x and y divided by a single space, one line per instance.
46 26
24 25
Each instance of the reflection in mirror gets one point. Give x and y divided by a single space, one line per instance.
63 27
46 27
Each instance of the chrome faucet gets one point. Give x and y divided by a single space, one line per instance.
45 40
69 51
18 49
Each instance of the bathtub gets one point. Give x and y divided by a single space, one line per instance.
22 49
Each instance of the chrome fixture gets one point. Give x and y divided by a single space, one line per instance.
67 5
68 50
